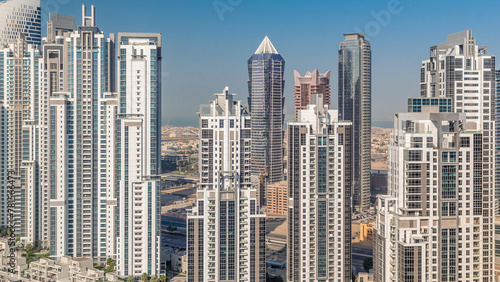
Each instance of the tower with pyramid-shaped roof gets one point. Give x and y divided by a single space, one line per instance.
265 87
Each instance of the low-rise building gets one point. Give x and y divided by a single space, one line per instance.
178 261
364 277
12 263
67 269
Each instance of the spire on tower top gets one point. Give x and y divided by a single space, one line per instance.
266 47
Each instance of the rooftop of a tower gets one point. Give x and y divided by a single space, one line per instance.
266 47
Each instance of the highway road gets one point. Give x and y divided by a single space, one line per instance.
358 257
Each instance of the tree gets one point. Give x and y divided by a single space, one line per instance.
163 278
29 254
130 279
144 277
171 228
110 265
368 264
154 279
46 255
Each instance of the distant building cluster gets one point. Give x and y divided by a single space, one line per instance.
438 173
379 142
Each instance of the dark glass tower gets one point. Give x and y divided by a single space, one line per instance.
265 87
355 105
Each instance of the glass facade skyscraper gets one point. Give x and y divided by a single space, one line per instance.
265 87
355 105
20 17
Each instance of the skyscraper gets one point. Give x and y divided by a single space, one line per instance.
226 230
431 225
19 91
138 156
436 224
78 158
319 192
463 71
265 86
20 17
58 28
310 83
497 142
355 106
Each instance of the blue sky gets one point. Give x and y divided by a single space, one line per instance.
206 43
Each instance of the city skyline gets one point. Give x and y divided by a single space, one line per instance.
214 63
82 161
94 186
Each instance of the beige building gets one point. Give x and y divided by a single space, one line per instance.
6 257
178 261
67 269
277 198
364 277
365 232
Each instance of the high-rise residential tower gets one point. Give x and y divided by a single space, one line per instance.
54 80
20 17
355 105
19 92
497 142
265 86
226 230
436 224
138 155
319 192
78 157
432 225
463 71
309 84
